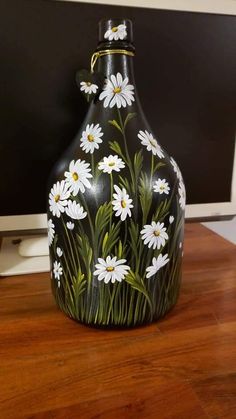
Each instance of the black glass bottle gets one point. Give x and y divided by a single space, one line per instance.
116 203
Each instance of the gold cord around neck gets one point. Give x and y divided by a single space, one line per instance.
103 52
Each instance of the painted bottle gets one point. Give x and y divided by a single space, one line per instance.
115 202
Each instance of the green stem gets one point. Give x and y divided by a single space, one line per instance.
101 305
152 169
65 276
124 136
131 307
137 308
126 149
116 305
126 232
89 218
144 311
70 246
125 298
111 302
141 260
129 164
172 254
95 178
111 183
76 250
92 164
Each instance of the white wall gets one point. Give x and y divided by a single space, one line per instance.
211 6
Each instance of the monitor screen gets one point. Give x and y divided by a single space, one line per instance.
185 69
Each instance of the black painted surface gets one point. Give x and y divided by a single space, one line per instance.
185 72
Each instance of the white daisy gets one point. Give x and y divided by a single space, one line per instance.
58 198
122 203
110 163
161 186
70 225
154 235
117 92
57 270
75 211
176 168
91 138
149 141
59 252
78 175
51 231
115 33
171 219
157 263
182 195
111 269
88 87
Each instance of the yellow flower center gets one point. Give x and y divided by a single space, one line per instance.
123 203
153 142
156 233
162 187
111 164
110 269
90 138
114 29
57 198
75 176
117 90
88 83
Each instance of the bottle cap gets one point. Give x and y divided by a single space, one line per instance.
115 30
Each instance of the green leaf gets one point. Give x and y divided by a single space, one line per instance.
86 252
84 247
102 217
115 146
116 125
124 183
72 294
158 211
138 162
158 165
78 286
97 173
145 195
134 238
111 239
128 118
135 281
162 211
104 242
120 250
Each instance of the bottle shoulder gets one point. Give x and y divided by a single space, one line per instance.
114 131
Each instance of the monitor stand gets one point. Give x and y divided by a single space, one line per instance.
13 263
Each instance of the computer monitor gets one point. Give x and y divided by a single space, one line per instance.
185 62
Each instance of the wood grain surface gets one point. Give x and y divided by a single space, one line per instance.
184 366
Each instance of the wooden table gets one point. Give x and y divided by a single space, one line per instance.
184 366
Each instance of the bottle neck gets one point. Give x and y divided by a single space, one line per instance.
116 63
112 64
